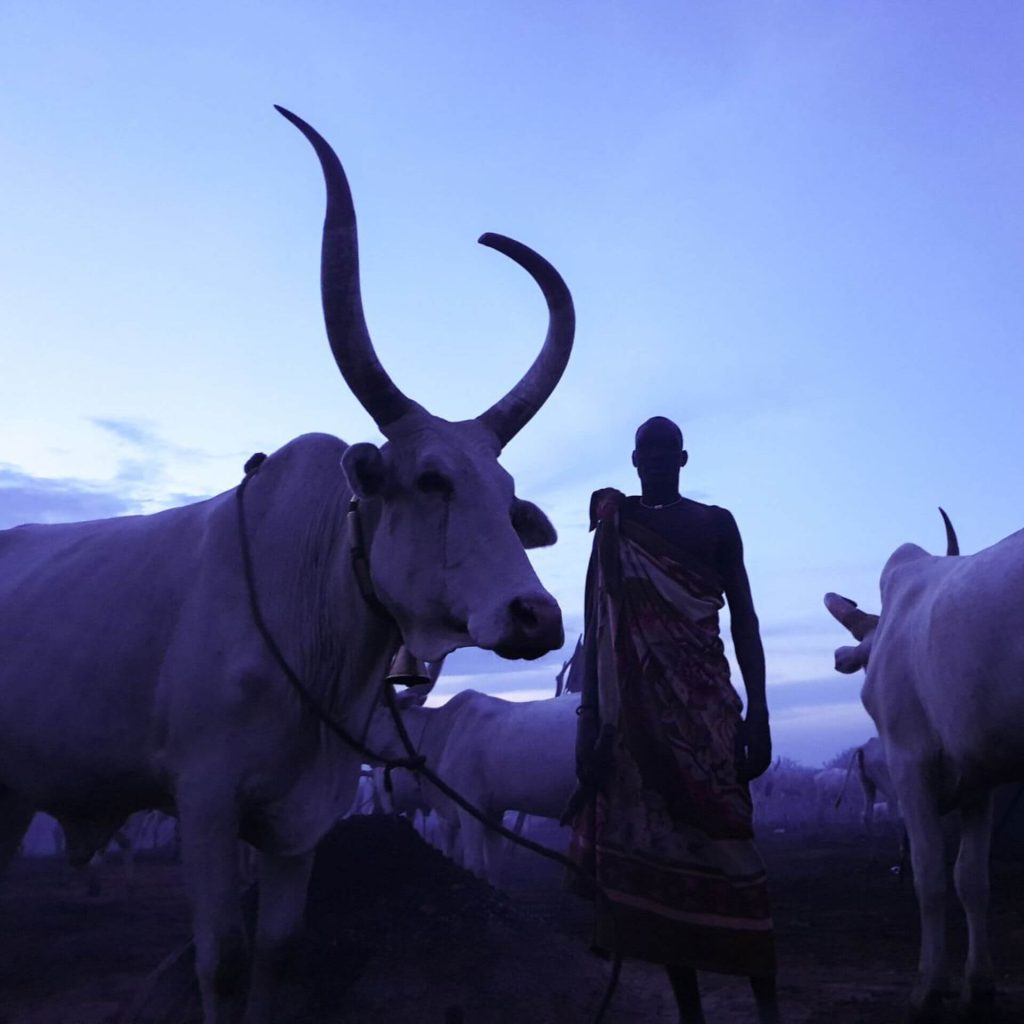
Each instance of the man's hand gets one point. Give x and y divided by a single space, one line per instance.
754 745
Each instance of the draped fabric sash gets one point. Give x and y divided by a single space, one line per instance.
669 836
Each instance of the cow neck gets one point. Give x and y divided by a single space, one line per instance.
310 702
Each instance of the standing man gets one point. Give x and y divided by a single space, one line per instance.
664 816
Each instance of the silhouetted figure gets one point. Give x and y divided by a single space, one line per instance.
663 815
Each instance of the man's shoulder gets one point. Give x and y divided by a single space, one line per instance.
715 513
719 523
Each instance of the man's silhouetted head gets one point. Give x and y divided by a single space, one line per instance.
658 457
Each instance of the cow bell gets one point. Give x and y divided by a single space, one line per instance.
406 670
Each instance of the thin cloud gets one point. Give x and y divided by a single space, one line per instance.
133 431
142 434
141 482
29 499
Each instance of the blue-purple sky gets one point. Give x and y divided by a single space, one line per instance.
796 228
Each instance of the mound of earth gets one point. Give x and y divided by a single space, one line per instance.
396 932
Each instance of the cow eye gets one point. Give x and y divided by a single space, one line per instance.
433 482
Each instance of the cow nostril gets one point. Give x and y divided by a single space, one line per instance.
532 627
523 612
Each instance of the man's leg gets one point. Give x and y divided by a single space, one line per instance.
766 998
684 985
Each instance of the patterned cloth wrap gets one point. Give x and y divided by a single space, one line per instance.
668 833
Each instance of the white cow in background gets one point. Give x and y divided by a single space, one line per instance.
407 797
831 791
874 778
500 755
945 686
783 795
368 797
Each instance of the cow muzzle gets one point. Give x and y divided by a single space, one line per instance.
529 626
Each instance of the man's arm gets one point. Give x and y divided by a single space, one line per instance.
746 639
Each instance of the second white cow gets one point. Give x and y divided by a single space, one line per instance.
500 755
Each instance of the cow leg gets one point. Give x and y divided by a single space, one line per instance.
447 833
926 858
89 872
471 844
127 848
249 861
15 818
208 830
494 846
510 846
971 876
869 807
282 904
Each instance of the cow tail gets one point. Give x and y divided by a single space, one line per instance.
846 779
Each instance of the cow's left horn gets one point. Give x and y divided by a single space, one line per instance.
339 289
952 544
509 415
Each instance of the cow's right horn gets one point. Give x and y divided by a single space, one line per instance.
509 415
952 544
339 286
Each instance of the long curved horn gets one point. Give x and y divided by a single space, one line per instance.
339 288
509 415
952 544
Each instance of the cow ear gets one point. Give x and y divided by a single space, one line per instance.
363 466
534 528
852 659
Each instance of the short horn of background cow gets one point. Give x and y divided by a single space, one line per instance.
952 544
846 612
509 415
342 300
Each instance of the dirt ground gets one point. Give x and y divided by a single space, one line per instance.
399 935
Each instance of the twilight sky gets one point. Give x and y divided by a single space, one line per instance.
797 229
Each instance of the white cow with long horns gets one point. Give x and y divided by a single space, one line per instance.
945 686
142 669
